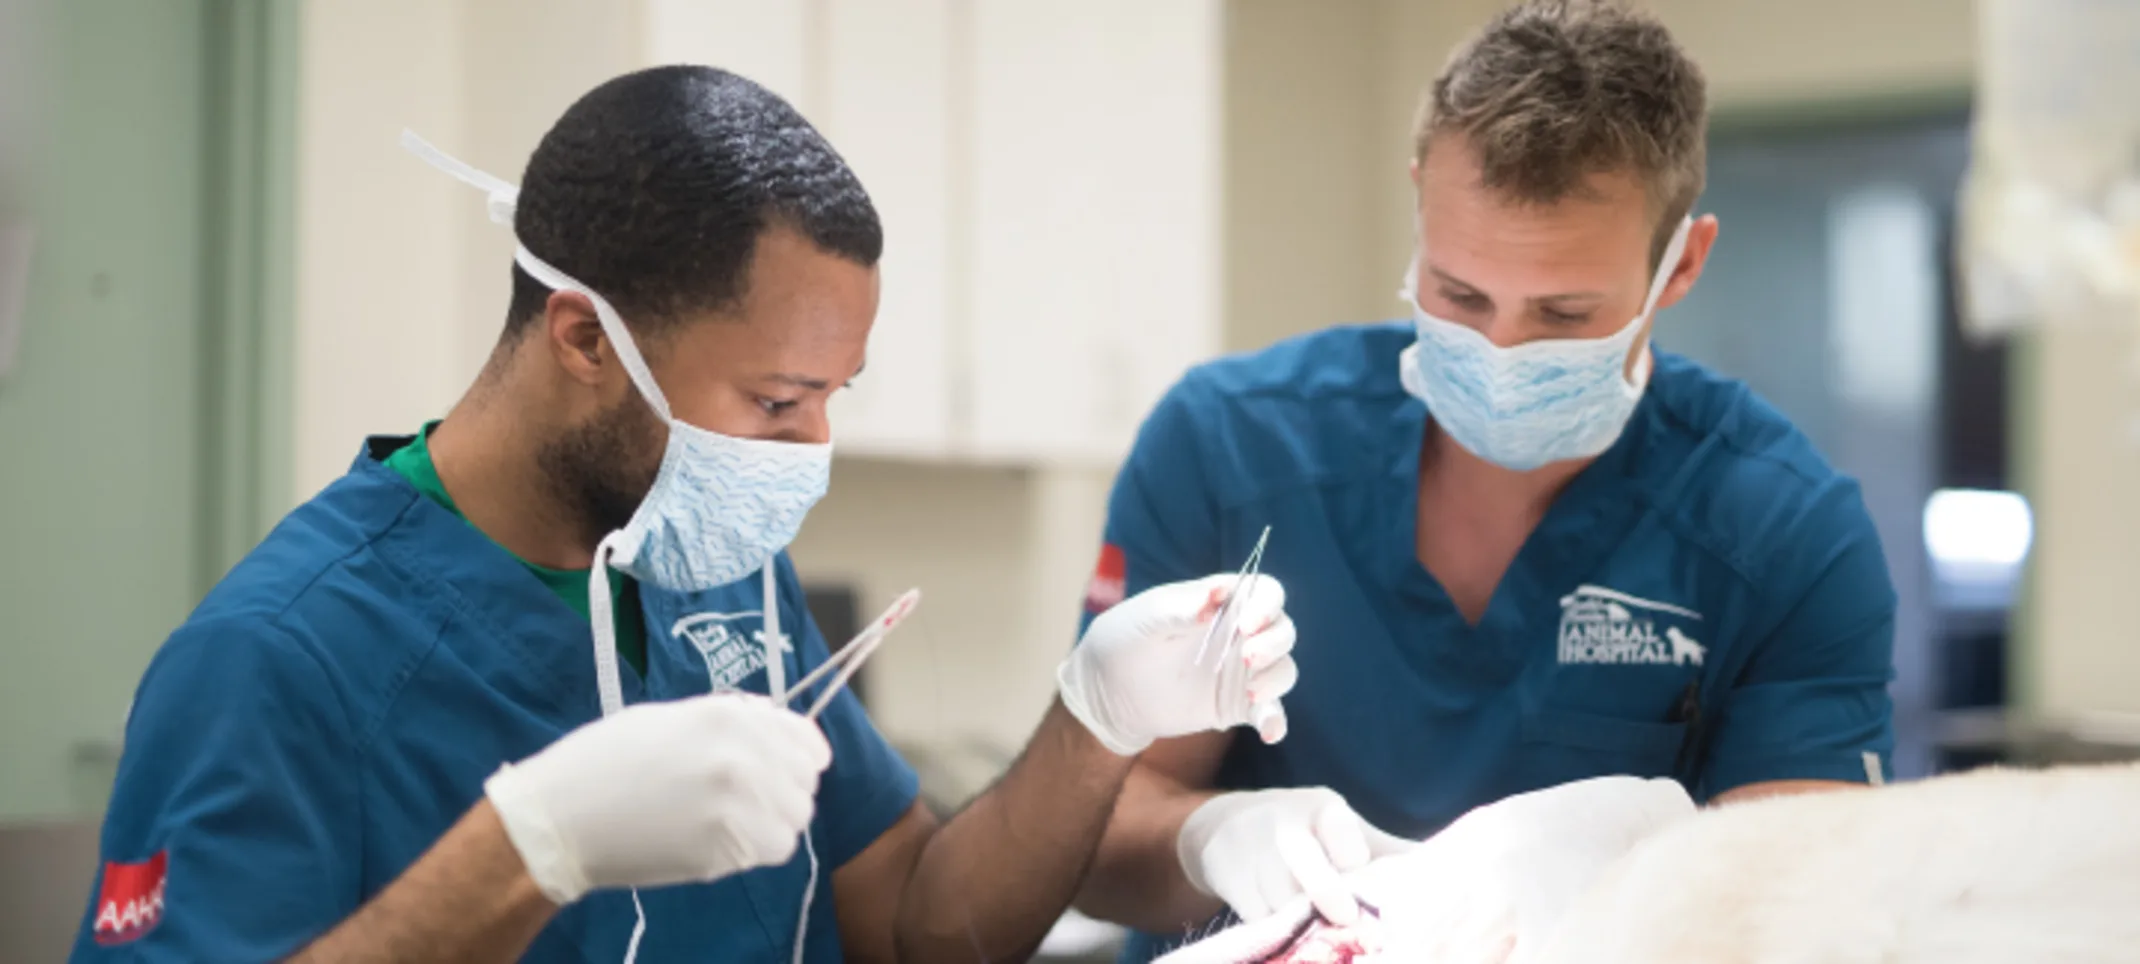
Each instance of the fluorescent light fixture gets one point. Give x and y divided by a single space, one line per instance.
1978 529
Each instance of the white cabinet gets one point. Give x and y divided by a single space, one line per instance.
1095 274
1049 177
886 106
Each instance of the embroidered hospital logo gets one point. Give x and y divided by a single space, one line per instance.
130 900
1599 625
732 650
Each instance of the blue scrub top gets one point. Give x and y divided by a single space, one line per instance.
335 704
1710 558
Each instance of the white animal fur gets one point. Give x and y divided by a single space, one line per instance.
1989 866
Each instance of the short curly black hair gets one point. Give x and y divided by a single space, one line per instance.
654 188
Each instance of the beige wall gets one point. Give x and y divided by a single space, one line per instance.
2083 469
378 262
401 280
522 63
1303 152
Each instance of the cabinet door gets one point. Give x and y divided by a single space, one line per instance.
886 66
1095 217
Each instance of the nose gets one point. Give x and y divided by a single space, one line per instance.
816 427
1504 330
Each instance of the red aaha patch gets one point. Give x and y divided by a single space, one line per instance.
130 900
1105 590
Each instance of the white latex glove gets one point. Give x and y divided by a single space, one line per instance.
1257 850
663 793
1135 677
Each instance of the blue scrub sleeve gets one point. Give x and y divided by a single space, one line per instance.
1812 703
236 803
869 786
1162 524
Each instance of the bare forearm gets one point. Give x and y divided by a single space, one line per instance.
1137 880
994 880
1781 788
468 899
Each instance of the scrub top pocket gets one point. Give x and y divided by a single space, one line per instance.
1560 746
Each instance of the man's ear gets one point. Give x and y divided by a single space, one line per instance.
1701 239
572 333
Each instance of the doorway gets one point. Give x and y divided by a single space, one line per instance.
135 450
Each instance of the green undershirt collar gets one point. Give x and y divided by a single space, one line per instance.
413 462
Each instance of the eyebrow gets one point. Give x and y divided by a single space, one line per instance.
804 381
1459 283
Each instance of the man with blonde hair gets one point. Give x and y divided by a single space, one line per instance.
1521 546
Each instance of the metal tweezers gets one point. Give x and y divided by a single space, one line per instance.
1226 625
850 657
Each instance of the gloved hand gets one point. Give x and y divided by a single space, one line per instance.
1258 849
663 793
1135 677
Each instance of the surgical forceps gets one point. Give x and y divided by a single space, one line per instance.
850 657
1225 626
1266 717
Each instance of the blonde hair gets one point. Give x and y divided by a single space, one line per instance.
1551 92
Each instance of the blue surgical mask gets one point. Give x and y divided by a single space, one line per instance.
720 507
1525 406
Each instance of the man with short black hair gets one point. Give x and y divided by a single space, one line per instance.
1524 548
518 685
